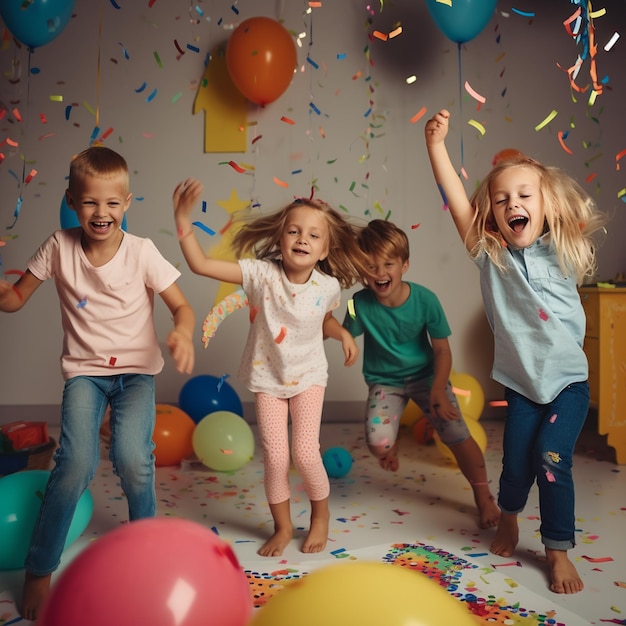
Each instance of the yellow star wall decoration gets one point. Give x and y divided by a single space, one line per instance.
224 249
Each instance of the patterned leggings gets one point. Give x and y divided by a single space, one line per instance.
306 416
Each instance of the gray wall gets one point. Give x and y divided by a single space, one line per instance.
372 164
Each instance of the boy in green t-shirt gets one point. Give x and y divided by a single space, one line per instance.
407 356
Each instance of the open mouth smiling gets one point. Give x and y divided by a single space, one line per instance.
101 225
517 223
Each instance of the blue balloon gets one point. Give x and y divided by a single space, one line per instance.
69 220
337 462
37 22
20 500
461 20
205 394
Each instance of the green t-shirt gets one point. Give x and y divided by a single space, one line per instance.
397 339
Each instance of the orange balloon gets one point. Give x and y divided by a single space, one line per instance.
423 432
173 435
508 154
261 59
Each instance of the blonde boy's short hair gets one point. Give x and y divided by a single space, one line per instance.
384 239
100 162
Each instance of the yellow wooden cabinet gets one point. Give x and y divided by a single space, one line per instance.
605 347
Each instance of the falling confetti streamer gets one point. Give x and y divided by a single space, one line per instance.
547 120
206 229
478 126
419 115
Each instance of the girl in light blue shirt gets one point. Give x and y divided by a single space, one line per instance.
528 228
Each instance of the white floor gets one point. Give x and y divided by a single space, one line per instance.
426 503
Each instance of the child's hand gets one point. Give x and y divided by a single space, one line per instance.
350 349
441 406
181 350
436 127
6 288
14 296
186 195
7 296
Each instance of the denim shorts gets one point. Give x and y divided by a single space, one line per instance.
385 405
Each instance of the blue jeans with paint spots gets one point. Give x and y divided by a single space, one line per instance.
539 442
133 415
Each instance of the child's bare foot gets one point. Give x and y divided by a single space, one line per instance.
275 545
318 534
389 461
488 510
507 535
34 593
563 575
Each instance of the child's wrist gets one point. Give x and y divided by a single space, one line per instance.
183 232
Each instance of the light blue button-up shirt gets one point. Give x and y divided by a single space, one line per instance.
537 320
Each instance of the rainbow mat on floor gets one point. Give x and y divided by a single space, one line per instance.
490 596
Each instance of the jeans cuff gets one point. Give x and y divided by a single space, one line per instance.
555 544
507 512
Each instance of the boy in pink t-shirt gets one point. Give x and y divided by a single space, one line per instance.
106 280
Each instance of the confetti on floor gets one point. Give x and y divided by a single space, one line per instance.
421 517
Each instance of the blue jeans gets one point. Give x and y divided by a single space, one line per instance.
539 442
133 414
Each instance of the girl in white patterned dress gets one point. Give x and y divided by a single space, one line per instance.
305 254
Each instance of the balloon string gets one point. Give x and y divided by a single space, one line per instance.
30 54
280 8
24 133
98 72
461 103
310 165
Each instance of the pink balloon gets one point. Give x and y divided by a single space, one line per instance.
158 572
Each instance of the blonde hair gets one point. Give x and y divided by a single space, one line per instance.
571 218
100 162
344 261
383 238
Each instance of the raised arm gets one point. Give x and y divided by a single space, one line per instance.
447 178
186 196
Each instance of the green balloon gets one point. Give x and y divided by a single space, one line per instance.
223 441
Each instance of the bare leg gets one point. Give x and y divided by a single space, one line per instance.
283 530
471 462
318 532
387 457
507 535
563 575
34 593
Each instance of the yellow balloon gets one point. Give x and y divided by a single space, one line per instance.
364 593
469 394
476 430
411 414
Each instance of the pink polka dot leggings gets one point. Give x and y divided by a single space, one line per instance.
273 421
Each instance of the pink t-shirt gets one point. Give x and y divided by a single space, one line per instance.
106 311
